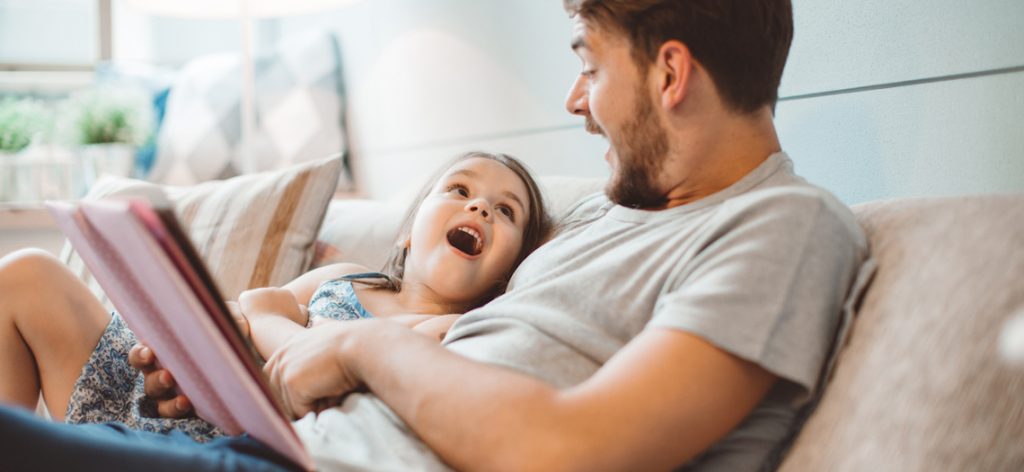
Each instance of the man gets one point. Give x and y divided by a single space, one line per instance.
681 320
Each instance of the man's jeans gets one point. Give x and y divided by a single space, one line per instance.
32 443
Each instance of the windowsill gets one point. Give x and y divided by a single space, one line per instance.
45 82
28 225
28 215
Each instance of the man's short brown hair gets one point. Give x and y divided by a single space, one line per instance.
743 44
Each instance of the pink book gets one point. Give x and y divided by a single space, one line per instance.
157 282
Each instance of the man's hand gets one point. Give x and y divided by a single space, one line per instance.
159 383
309 373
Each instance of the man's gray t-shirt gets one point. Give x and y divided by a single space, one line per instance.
760 269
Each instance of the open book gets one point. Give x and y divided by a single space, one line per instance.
157 282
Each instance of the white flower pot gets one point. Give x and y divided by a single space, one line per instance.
96 160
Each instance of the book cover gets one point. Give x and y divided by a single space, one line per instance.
157 282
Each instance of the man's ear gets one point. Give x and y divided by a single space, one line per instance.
674 66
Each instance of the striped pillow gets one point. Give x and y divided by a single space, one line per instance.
254 230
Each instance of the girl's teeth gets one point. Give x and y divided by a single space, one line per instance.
472 232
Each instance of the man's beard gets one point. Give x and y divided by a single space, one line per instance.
641 148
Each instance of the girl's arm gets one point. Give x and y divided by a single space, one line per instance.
277 314
274 316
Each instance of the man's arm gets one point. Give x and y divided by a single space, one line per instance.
664 398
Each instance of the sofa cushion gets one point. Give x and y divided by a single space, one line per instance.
920 384
254 230
299 112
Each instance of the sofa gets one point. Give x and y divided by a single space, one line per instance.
925 378
921 382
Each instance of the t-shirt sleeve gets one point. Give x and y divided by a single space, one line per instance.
769 283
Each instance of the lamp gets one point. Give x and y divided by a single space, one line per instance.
245 11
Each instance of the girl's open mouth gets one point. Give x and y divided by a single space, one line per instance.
466 240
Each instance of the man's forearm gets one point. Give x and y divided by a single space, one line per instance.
475 416
660 401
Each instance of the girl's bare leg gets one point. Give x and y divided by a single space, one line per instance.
49 325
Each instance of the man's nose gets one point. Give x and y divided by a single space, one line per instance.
576 103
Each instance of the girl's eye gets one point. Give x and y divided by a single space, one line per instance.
461 190
507 211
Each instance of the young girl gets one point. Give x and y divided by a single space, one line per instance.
459 244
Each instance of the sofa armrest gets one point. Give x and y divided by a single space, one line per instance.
921 384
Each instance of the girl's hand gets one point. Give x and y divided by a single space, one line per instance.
240 319
309 372
271 301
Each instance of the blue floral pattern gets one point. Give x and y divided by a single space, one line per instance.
111 390
336 299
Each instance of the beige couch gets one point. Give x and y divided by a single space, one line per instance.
919 384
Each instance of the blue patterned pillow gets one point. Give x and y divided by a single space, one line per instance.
299 113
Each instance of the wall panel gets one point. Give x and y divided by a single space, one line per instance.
841 45
943 138
424 72
568 151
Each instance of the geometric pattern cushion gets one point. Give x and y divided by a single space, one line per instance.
255 230
921 383
299 111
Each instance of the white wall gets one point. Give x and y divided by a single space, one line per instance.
893 98
873 103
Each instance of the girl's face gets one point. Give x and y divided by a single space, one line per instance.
468 231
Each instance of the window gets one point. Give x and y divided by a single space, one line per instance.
51 47
54 35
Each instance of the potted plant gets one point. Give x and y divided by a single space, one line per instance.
106 125
22 123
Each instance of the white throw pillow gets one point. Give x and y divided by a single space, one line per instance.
255 230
